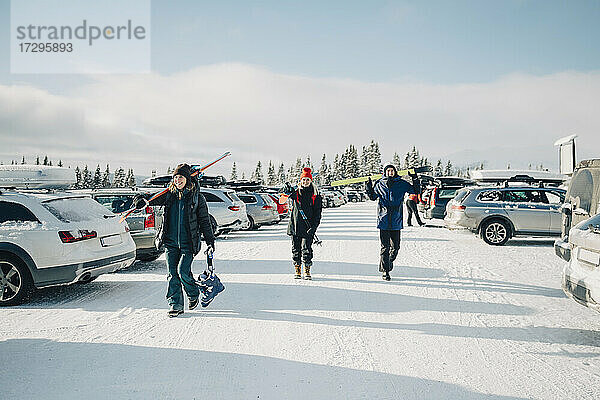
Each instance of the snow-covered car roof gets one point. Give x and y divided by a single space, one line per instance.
40 196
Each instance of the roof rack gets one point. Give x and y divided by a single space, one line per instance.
522 178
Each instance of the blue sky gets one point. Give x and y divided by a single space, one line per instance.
343 48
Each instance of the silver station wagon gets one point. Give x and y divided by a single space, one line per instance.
500 213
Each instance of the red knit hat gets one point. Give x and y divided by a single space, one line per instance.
306 173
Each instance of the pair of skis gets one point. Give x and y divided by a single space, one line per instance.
197 172
402 172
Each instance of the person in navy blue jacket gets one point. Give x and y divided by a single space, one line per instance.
389 192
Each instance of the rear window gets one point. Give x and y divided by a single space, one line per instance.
212 198
247 198
460 195
232 196
116 203
76 209
447 193
13 212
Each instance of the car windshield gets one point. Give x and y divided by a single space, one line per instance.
76 209
594 222
447 193
115 203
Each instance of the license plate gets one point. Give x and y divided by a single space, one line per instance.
111 240
589 256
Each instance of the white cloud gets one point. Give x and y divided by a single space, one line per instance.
152 121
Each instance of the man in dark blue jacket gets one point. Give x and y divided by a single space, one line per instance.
389 192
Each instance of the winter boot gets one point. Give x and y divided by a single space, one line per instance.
386 276
307 272
173 312
298 274
193 303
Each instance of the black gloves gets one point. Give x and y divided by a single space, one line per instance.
139 201
369 184
287 189
210 246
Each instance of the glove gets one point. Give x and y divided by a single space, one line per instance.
369 184
288 188
210 246
140 202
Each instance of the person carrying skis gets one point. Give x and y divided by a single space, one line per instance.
304 220
411 208
185 219
389 192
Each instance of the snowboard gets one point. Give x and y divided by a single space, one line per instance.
418 170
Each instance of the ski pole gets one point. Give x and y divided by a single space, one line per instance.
198 171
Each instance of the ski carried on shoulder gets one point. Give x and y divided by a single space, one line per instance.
410 171
197 172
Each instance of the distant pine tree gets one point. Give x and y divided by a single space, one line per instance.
45 162
271 176
106 178
97 181
234 174
37 160
60 163
448 171
439 169
23 160
281 177
258 174
87 179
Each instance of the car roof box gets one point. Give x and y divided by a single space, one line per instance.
510 175
25 176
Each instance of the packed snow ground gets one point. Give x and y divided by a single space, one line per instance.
459 320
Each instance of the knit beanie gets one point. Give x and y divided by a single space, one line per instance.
306 173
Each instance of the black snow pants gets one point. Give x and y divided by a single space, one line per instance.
390 245
302 250
411 207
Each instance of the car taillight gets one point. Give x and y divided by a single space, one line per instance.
458 207
149 222
234 208
267 207
76 236
433 195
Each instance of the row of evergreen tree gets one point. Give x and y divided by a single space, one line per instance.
46 161
84 179
348 164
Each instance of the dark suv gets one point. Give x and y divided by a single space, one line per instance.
438 192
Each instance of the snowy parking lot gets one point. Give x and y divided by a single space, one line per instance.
459 320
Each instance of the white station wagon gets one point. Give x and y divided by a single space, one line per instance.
54 238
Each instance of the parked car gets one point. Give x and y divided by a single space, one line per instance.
282 209
331 198
55 238
353 196
439 192
581 275
143 224
227 211
499 213
260 208
581 202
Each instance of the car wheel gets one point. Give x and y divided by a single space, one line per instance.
152 257
16 284
251 225
88 280
213 224
495 232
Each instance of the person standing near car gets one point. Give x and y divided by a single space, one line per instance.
389 192
185 219
411 208
304 221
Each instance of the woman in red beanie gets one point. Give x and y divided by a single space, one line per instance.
304 220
